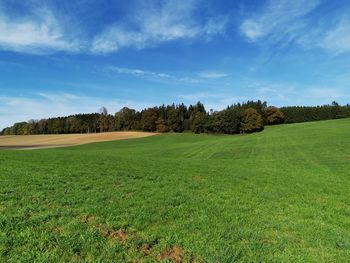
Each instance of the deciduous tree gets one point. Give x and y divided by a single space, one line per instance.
252 121
274 116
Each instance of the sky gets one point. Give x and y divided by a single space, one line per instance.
75 56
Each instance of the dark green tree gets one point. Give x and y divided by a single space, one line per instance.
125 119
199 122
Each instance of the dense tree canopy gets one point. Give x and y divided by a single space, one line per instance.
306 113
247 117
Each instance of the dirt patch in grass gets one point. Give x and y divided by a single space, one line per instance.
119 235
175 254
87 219
146 249
129 238
27 142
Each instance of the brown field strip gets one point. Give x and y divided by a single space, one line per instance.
61 140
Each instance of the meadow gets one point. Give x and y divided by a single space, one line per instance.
281 195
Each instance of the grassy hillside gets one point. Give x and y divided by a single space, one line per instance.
279 195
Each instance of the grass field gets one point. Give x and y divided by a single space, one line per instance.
282 195
59 140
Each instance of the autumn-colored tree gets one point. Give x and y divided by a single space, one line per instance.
274 116
162 126
252 121
148 119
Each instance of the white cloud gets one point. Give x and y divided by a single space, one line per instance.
337 39
154 24
151 75
212 74
159 76
279 20
252 30
35 33
283 21
63 97
44 105
138 72
41 30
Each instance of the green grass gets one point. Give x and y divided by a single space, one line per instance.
282 195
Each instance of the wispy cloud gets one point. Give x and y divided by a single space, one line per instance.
207 74
283 21
150 75
62 97
336 39
160 76
41 30
157 23
279 20
38 31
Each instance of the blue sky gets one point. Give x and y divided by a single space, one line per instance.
64 57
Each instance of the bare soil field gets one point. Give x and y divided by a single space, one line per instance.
61 140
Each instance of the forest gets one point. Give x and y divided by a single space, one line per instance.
247 117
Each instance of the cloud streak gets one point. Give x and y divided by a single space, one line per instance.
150 75
336 39
41 30
279 20
155 24
160 76
212 74
283 22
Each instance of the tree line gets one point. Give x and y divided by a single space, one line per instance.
296 114
247 117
